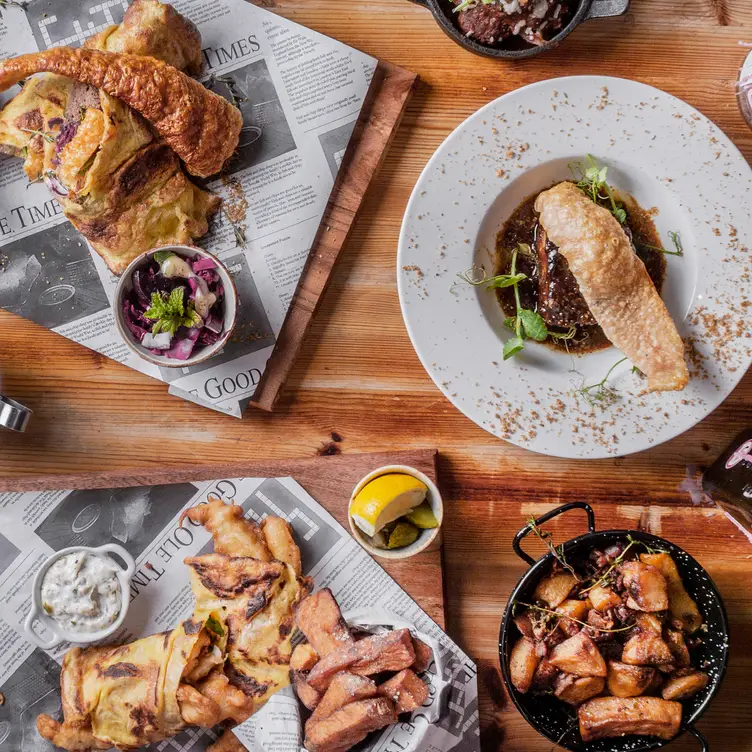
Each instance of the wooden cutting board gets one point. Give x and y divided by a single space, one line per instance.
381 115
330 480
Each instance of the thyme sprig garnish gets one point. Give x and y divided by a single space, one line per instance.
46 135
557 551
591 178
675 239
600 394
543 610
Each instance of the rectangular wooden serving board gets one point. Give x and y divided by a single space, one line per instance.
381 115
330 480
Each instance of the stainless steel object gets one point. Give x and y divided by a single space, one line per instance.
13 415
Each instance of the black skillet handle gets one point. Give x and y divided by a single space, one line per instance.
545 518
607 8
692 730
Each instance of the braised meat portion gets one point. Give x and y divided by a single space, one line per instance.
560 301
531 20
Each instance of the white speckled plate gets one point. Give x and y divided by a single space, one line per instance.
657 148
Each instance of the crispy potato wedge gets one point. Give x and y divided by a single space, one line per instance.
685 685
579 655
524 623
650 623
646 649
576 690
523 661
572 609
682 607
555 588
629 681
545 674
303 658
616 716
603 598
646 585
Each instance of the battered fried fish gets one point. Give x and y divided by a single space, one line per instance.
220 666
256 595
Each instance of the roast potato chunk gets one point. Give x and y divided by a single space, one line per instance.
579 655
629 681
684 685
554 589
572 609
682 607
603 598
616 716
577 689
647 587
649 623
646 649
544 674
678 647
523 661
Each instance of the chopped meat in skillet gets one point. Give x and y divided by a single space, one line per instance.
532 20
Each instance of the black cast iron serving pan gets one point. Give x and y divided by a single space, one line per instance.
443 12
556 720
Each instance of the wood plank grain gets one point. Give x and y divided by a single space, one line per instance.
385 104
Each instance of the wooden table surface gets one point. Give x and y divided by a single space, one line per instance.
358 385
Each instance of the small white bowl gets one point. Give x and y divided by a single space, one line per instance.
426 538
203 353
60 634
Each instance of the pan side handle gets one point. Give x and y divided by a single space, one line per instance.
607 8
703 741
516 544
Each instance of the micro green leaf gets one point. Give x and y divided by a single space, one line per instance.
533 324
512 347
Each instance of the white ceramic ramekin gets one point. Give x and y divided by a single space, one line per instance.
37 614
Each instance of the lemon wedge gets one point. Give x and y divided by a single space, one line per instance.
385 499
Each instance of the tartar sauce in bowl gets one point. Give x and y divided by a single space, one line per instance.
81 591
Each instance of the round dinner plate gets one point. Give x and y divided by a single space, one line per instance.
657 148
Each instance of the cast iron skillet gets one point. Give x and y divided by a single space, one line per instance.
557 721
446 18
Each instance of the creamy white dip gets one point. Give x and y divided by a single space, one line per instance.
81 592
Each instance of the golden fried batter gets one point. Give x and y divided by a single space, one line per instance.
279 538
233 704
200 126
68 737
233 534
196 709
221 665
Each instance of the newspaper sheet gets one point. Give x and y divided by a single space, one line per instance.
145 520
300 94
